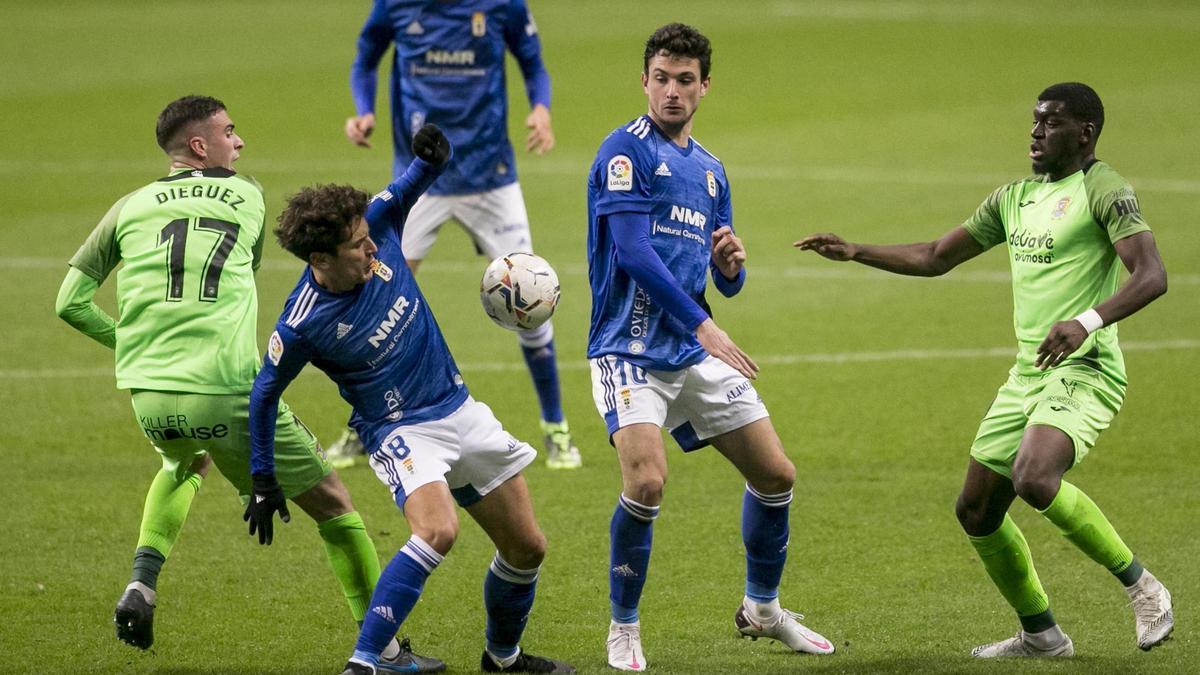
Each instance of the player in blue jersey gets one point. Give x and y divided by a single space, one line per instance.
358 315
448 69
659 222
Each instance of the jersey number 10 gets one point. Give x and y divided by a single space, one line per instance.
175 234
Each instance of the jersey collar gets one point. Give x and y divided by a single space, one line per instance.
215 172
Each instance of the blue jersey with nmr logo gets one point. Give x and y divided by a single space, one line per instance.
448 69
685 193
378 342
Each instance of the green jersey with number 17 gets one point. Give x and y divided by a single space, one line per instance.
1060 246
187 306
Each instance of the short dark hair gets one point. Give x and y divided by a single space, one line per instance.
1081 101
679 39
179 114
318 219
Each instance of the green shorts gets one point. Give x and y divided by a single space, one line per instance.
1078 400
183 426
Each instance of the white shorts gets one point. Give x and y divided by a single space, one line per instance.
468 450
695 404
496 220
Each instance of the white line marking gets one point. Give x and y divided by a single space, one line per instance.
836 358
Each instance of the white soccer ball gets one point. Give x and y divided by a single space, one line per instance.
519 291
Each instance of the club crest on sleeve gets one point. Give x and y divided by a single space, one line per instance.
275 348
712 183
620 174
381 270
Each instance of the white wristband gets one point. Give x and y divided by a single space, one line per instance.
1091 321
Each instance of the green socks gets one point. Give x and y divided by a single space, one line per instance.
1005 556
167 504
1081 522
353 559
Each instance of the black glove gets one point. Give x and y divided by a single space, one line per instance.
265 499
431 145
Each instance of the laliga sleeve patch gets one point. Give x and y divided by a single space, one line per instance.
275 348
620 174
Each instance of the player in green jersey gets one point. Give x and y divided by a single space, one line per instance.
1067 228
185 345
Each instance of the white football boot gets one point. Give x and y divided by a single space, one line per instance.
785 626
1021 645
625 646
1152 608
346 450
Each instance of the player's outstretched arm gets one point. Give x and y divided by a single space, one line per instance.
928 259
1147 280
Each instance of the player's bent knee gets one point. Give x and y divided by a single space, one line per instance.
439 536
327 499
646 489
1035 488
527 552
972 516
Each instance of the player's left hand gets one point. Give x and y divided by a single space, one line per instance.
728 253
1063 339
265 499
541 136
431 145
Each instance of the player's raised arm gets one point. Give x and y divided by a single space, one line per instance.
432 152
928 259
285 358
373 42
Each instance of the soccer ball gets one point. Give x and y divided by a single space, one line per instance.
519 291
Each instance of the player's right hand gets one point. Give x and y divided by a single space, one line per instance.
358 129
716 342
431 145
827 245
266 498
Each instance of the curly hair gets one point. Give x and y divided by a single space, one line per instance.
677 39
181 113
318 219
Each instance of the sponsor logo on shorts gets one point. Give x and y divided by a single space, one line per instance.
737 391
1069 385
620 174
275 348
626 397
176 427
1068 402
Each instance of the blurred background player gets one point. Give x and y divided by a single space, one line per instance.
185 348
657 357
448 69
1069 227
431 443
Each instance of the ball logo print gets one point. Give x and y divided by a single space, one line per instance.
519 291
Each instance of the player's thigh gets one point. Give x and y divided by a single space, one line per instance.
757 452
715 400
1079 402
496 220
179 426
410 456
490 456
506 515
1000 431
300 461
422 224
626 394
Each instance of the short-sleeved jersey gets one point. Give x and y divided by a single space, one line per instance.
190 243
686 195
379 342
1060 238
448 69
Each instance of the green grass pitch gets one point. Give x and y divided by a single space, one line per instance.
885 122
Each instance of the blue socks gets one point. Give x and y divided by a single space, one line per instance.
508 596
537 346
396 592
631 532
765 534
